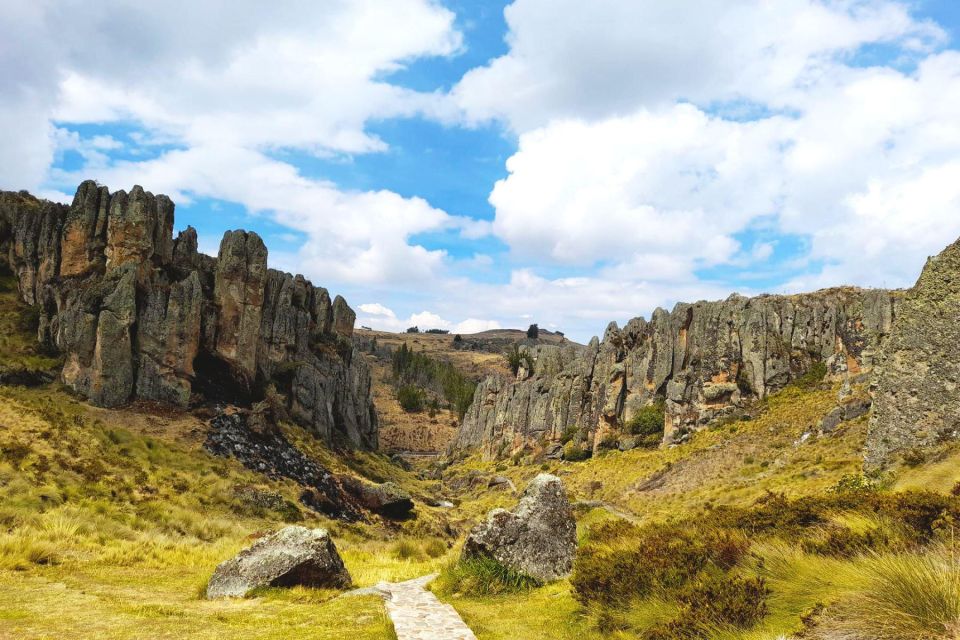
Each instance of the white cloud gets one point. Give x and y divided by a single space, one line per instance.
598 59
668 187
630 165
377 309
227 94
380 317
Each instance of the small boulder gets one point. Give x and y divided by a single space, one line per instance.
538 538
388 499
288 557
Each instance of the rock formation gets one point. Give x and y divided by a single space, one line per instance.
537 539
137 314
288 557
703 360
917 388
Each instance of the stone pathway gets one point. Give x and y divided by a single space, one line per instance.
417 614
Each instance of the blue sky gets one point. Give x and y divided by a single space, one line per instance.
472 165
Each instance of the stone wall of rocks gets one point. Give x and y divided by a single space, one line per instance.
139 314
704 360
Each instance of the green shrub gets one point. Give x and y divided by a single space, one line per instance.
574 452
914 457
855 483
648 424
625 562
516 357
570 433
406 549
713 602
410 398
813 377
844 542
482 576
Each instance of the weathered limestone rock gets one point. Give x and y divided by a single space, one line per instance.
291 556
704 359
240 280
917 397
168 340
538 538
137 314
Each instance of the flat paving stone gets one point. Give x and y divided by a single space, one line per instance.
417 614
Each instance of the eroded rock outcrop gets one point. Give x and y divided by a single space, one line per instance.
138 314
917 388
703 360
288 557
537 539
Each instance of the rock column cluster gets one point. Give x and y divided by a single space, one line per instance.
703 360
137 314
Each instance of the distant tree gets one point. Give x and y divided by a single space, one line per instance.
517 358
438 331
457 338
533 332
413 330
410 398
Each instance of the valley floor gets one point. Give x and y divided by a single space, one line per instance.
113 521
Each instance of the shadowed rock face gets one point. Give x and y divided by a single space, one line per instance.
917 389
704 359
136 313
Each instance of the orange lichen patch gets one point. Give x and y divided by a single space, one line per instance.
723 376
852 365
74 260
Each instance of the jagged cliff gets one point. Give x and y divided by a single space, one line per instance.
703 360
137 314
917 387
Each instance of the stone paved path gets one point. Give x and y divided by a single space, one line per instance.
417 614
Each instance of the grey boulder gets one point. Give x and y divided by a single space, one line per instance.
538 538
288 557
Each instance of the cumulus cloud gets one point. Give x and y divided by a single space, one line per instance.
610 57
378 316
653 136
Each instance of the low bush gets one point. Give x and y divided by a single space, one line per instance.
844 542
406 549
575 452
482 576
410 398
435 548
648 424
813 377
712 603
626 562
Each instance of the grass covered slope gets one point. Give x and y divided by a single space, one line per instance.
756 529
116 520
20 355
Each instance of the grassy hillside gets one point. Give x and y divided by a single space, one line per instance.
119 517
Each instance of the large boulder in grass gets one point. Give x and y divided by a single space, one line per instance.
288 557
538 538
